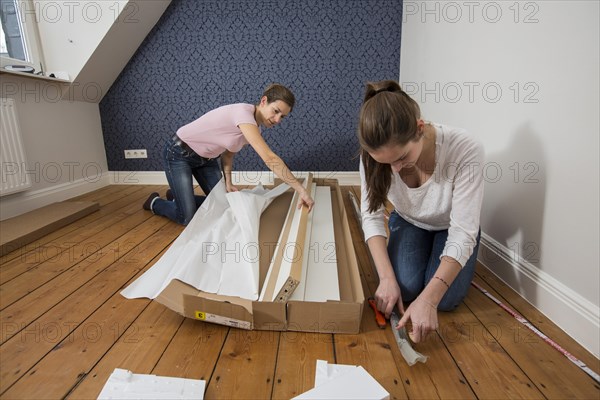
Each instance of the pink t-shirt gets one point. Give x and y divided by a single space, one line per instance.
218 130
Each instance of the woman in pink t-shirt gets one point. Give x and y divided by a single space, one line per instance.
194 150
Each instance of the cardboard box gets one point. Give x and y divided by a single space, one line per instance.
342 316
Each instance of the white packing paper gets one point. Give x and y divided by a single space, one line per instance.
218 252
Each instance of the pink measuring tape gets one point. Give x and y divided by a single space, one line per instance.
552 343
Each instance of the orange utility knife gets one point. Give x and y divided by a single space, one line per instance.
379 317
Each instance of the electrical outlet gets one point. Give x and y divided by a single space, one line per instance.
136 153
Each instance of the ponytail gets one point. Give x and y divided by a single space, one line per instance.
374 88
388 116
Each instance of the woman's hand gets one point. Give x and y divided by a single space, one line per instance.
305 200
423 317
275 163
387 296
231 188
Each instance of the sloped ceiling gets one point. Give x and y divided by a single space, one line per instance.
119 44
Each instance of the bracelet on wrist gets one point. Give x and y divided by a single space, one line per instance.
442 280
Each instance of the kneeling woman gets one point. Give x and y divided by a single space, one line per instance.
431 174
194 150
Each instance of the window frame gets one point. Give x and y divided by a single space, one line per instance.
27 16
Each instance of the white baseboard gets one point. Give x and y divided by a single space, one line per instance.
20 203
574 314
345 178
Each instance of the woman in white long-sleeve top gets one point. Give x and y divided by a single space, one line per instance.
432 175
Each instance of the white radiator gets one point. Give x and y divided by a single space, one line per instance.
12 154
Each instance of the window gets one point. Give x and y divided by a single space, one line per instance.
18 36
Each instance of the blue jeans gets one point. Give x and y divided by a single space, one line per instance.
415 256
180 165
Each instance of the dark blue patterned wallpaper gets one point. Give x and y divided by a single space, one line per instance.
204 54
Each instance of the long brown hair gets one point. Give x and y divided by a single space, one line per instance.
388 116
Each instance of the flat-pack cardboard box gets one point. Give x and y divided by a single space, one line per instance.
343 316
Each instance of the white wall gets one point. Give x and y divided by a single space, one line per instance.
92 41
524 77
63 145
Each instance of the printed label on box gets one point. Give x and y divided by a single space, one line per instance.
217 319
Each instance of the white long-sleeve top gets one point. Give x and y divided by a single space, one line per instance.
450 199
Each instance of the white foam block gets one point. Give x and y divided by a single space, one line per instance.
326 372
123 384
344 382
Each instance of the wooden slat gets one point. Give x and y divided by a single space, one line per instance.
23 351
26 228
73 246
96 195
106 206
108 194
128 199
297 361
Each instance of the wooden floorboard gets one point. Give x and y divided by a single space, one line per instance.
75 244
108 201
65 327
296 362
539 320
82 326
545 369
138 349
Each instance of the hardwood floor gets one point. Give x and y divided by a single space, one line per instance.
65 327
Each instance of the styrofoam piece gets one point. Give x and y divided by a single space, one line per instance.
326 372
333 381
123 384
